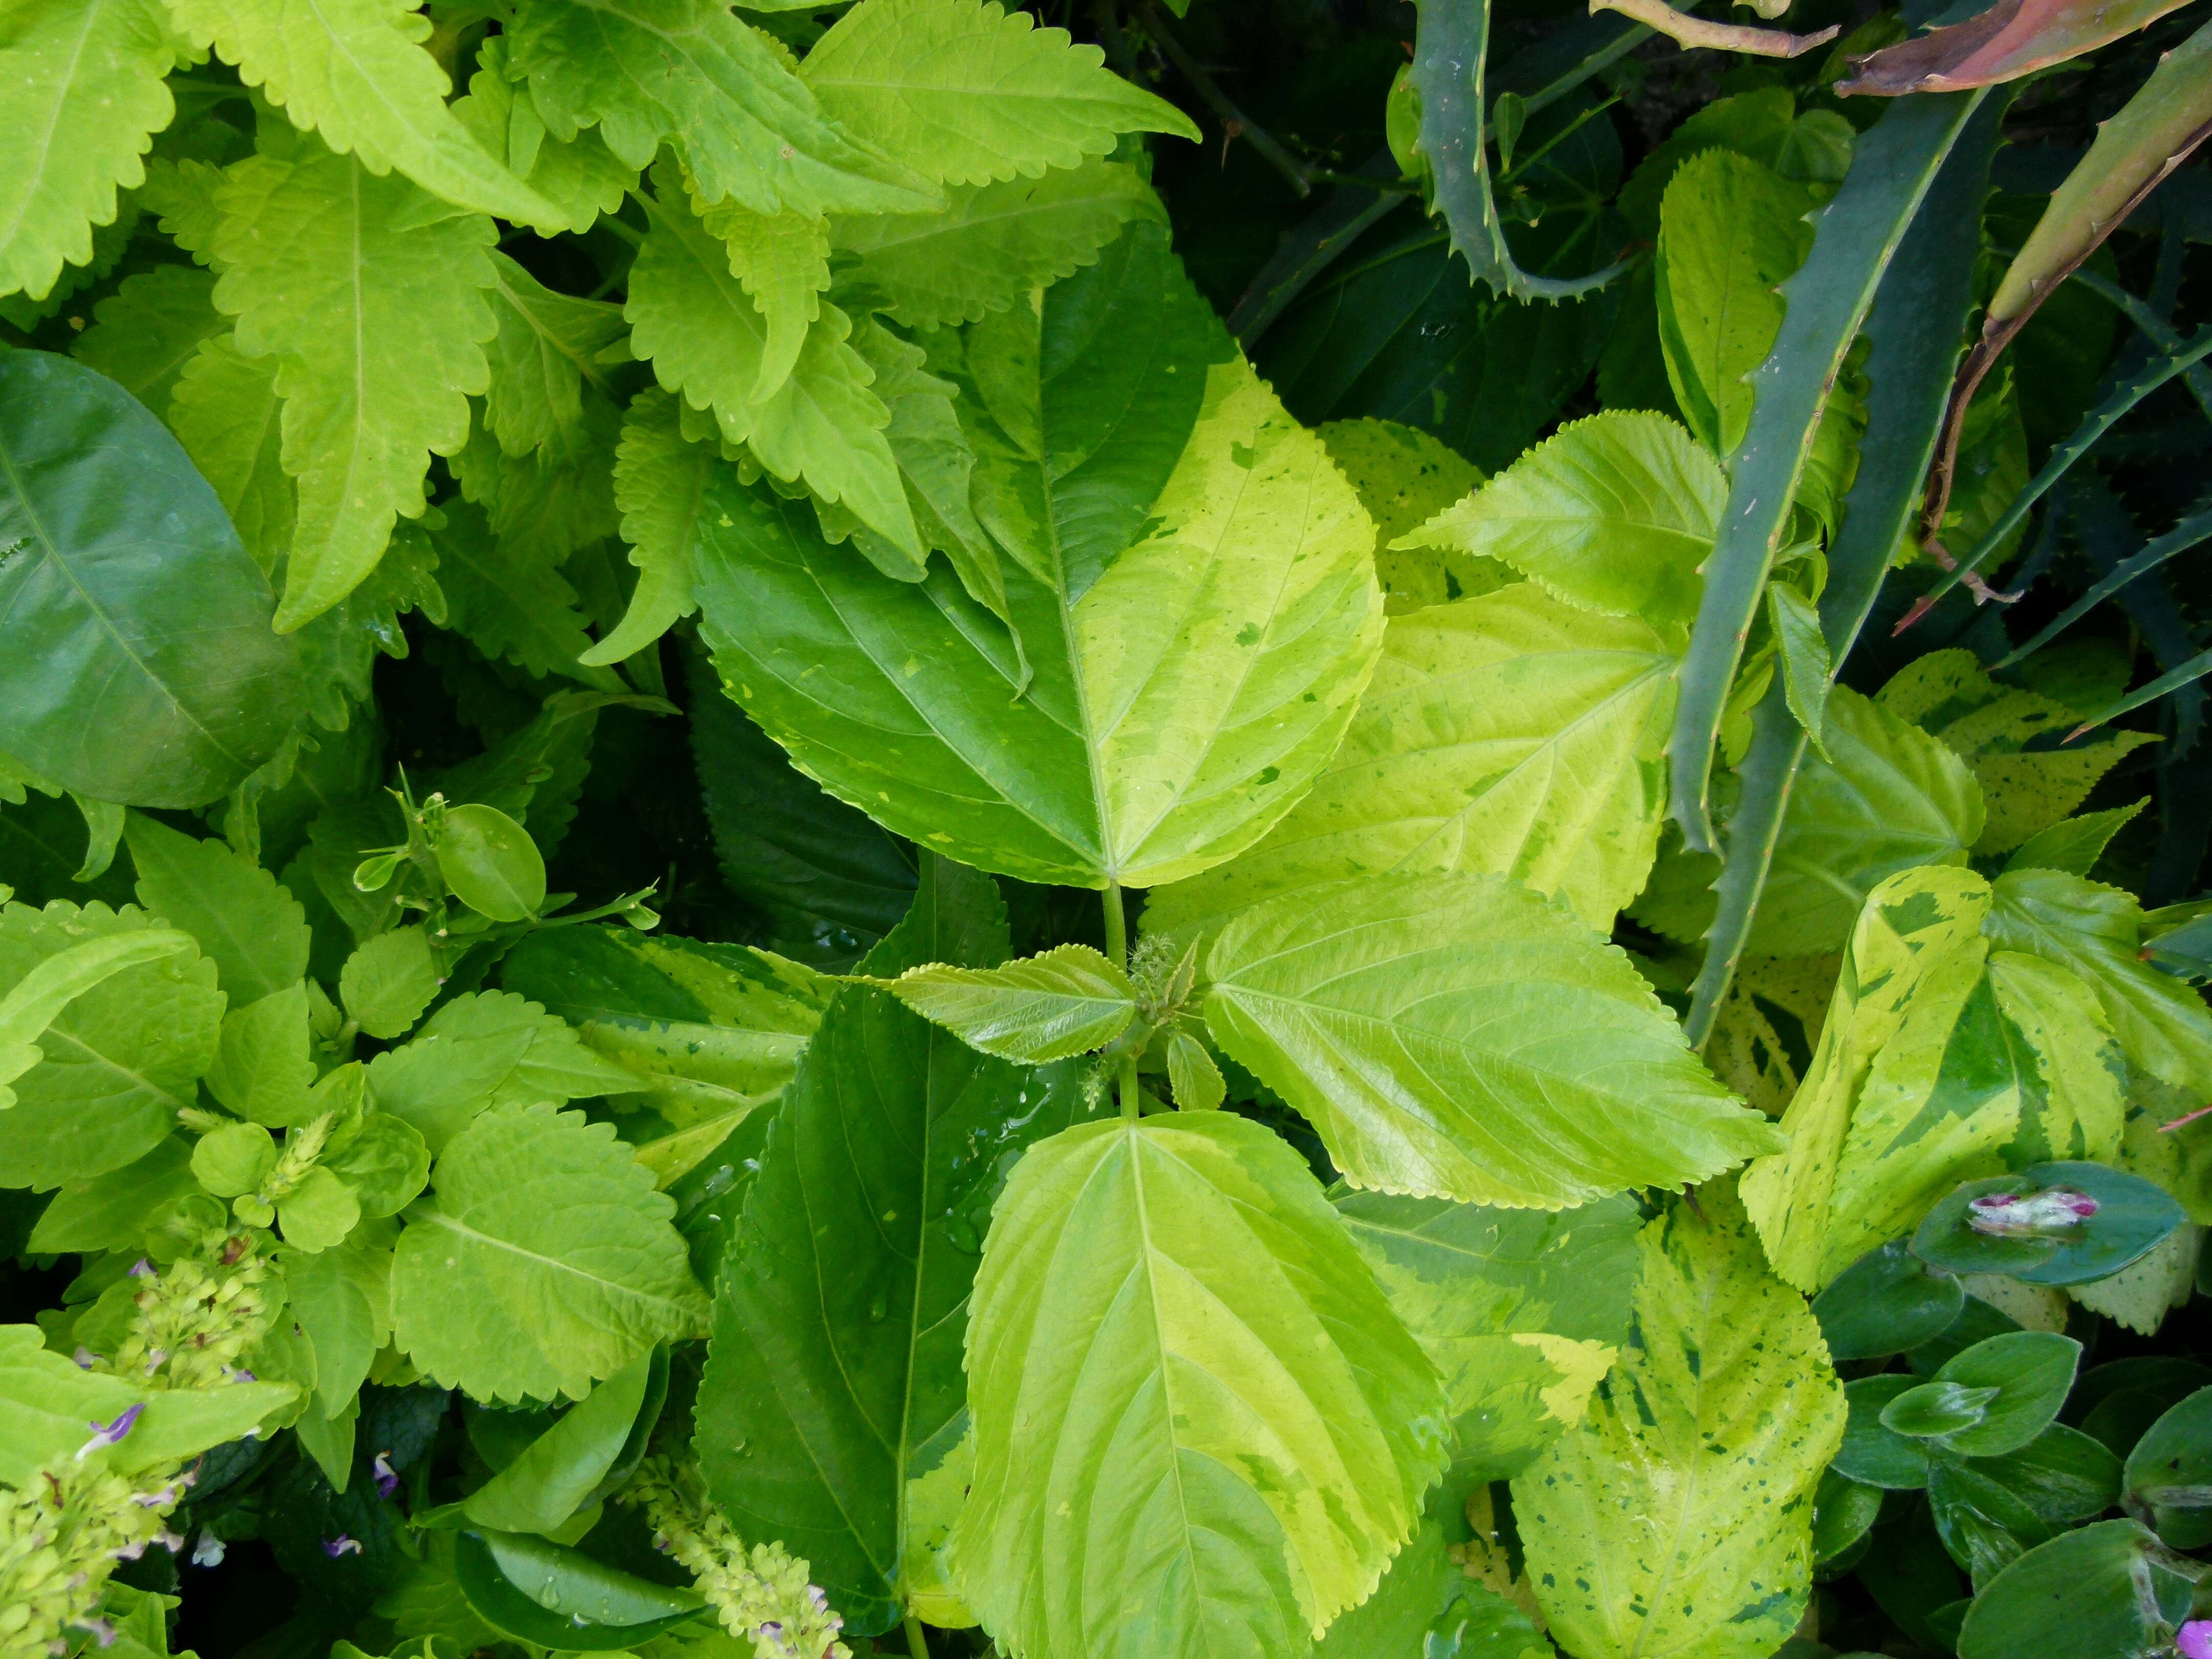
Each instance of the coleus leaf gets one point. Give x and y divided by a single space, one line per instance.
664 485
1510 733
1442 1034
510 603
249 927
1155 1395
687 72
834 1383
90 94
542 1261
227 414
782 260
821 423
371 295
144 334
1677 1519
1160 704
993 243
136 660
974 91
355 72
579 177
547 352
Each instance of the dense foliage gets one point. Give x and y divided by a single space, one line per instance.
593 593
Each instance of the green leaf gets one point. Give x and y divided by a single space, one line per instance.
341 1300
226 412
578 179
250 927
686 71
1066 1002
2073 846
89 89
1522 1310
136 660
821 424
1459 1036
782 260
1677 1519
37 999
2026 1375
1933 1409
2168 1473
114 1211
2096 932
1177 697
1159 1401
1885 1303
705 1033
263 1066
120 1060
1508 734
543 1593
1404 477
371 294
2108 1591
1615 513
973 92
2127 1217
664 486
558 1473
1871 1452
503 593
546 354
835 1381
541 1262
489 1048
1806 670
1731 231
1885 798
1426 1604
48 1408
1990 726
389 980
144 334
490 863
993 243
356 72
1196 1081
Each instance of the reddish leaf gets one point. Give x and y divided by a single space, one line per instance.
2013 38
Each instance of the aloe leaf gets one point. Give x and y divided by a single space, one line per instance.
1451 49
1855 239
2183 536
1920 308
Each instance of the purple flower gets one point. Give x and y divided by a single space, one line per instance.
142 1268
821 1601
2030 1215
209 1551
236 1374
2194 1639
86 1359
341 1545
107 1434
387 1478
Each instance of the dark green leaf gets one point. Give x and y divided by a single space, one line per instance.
2106 1592
2051 1246
561 1598
1872 1453
1885 1301
2169 1473
2031 1372
1934 1409
136 661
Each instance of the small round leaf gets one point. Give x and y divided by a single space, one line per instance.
490 863
1885 1301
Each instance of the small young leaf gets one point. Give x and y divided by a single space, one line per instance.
233 1160
1192 1074
263 1069
250 927
387 982
1804 652
1067 1002
556 1474
485 1049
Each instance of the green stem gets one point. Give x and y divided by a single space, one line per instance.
917 1643
1117 951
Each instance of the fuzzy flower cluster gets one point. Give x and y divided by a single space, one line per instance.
60 1537
196 1318
761 1593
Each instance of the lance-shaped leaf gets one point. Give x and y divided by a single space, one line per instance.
707 1033
1509 734
579 177
1200 1428
1067 1002
686 72
120 1060
1856 234
226 412
371 295
1677 1520
541 1262
821 424
357 73
1615 513
992 244
782 260
136 660
664 486
546 359
2096 932
1522 1310
973 92
1191 587
2011 38
1460 1036
87 94
834 1383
